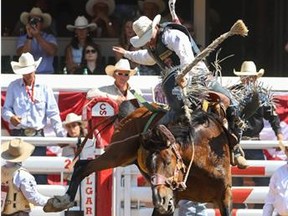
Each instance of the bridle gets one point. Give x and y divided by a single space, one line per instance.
172 182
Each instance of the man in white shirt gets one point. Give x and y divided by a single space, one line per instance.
29 104
277 197
22 190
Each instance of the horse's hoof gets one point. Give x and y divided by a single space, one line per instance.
58 203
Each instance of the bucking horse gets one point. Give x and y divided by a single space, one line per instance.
186 159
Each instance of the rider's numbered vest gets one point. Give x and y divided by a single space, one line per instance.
15 200
169 62
166 58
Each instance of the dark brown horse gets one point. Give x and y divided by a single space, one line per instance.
208 179
169 152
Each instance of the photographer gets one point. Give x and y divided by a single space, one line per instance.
36 41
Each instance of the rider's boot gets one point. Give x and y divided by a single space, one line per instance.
60 203
236 126
239 157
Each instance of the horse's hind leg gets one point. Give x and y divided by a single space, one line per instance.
225 206
156 213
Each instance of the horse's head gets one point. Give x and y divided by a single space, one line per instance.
165 166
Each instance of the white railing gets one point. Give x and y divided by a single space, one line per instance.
126 194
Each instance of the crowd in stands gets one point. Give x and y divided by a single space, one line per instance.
29 104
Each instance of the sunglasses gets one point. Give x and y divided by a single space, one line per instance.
121 74
90 51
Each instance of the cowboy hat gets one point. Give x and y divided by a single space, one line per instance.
26 64
35 11
16 150
248 68
81 23
72 117
122 64
143 28
161 5
90 4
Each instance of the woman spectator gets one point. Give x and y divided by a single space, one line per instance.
91 62
73 53
126 34
75 128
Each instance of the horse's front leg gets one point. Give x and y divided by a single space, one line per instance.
59 203
116 154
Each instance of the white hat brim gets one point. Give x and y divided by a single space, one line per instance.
22 70
91 27
64 123
47 19
28 150
110 69
259 74
145 38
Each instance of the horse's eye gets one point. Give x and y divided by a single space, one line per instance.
167 162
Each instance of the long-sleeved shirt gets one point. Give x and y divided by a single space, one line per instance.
277 197
46 65
25 182
176 41
34 114
112 91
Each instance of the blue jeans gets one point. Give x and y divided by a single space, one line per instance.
190 208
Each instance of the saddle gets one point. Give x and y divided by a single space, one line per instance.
218 103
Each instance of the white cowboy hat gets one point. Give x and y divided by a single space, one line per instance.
81 23
35 11
26 64
160 3
72 117
122 64
16 150
143 28
248 68
90 4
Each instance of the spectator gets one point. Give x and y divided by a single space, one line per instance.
29 104
21 184
121 90
124 40
277 197
19 28
36 41
73 52
151 8
75 128
249 77
91 62
101 12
